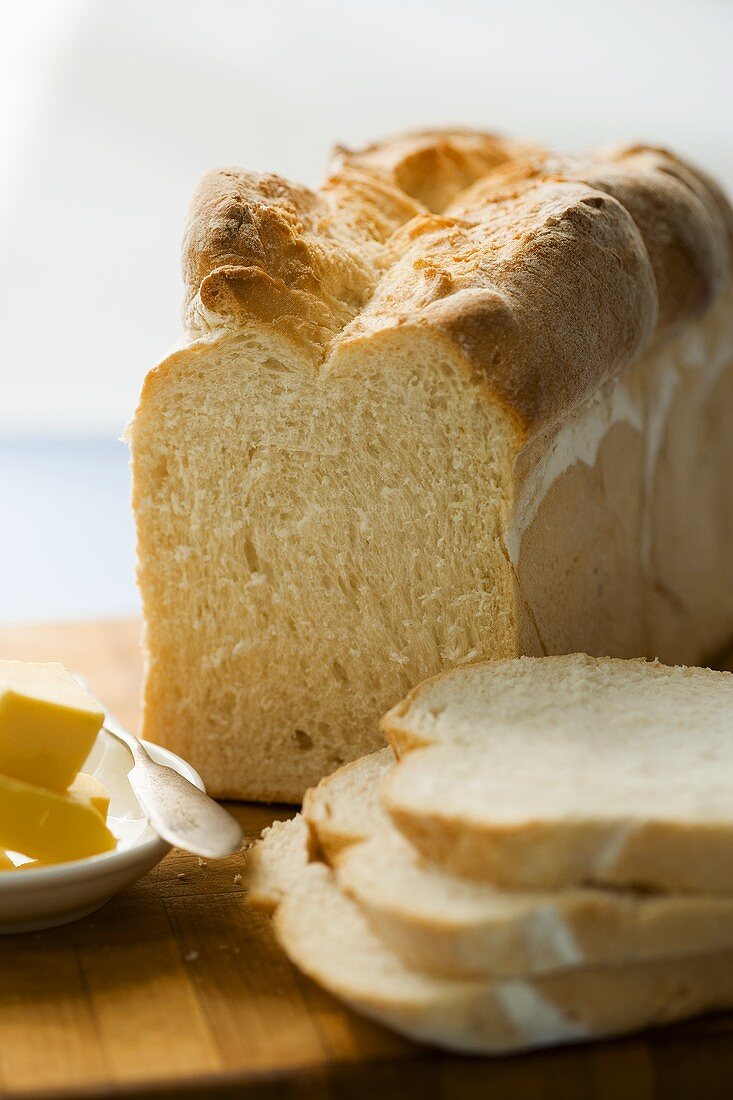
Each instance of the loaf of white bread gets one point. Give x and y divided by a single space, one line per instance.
366 902
466 400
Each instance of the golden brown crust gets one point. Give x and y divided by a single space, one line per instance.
543 285
434 166
548 275
680 223
259 247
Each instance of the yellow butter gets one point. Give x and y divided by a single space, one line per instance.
49 826
88 787
48 724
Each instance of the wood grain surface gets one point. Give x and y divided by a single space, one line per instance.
176 989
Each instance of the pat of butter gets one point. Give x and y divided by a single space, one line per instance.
49 826
48 724
88 787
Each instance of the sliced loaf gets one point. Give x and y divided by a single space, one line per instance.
443 923
458 403
327 936
549 772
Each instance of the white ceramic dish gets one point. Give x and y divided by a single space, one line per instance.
43 897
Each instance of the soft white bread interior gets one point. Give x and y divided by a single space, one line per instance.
444 923
548 772
465 401
327 936
346 807
275 864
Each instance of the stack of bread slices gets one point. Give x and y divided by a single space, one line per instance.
543 854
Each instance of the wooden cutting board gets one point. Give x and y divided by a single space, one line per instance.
176 989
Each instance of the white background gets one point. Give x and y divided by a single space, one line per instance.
109 113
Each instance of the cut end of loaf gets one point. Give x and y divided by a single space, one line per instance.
290 595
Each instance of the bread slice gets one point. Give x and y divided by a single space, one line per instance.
443 923
274 865
346 806
459 403
327 936
549 772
